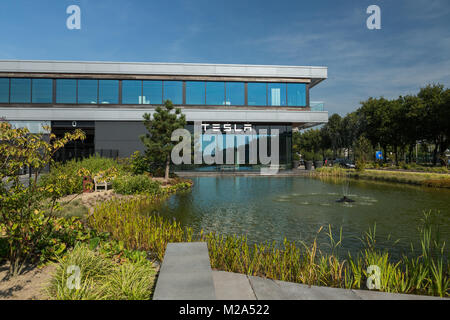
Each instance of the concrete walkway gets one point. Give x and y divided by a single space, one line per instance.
186 275
234 286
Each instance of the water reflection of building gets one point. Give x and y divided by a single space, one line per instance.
107 99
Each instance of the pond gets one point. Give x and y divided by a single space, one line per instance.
274 208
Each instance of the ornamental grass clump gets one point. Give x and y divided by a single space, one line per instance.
144 232
101 277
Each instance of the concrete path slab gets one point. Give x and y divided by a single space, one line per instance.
376 295
185 273
232 286
297 291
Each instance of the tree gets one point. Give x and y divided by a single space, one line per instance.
331 134
158 139
22 220
436 118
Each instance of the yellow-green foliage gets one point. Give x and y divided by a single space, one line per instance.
417 178
102 278
302 263
329 172
143 232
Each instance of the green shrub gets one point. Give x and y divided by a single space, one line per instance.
308 156
138 163
66 175
135 184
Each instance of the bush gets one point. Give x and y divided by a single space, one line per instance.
66 175
138 163
135 184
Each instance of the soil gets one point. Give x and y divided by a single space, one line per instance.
29 285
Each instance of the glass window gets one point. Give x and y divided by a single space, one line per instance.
215 93
87 91
4 90
235 94
20 90
296 94
257 94
66 91
131 92
195 92
153 92
173 91
108 91
277 94
42 91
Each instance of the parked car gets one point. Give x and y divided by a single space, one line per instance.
344 163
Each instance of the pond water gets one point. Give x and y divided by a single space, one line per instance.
274 208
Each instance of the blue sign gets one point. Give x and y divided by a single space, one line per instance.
379 155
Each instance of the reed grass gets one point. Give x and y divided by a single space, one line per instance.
428 272
436 180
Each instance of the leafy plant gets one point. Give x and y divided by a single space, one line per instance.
22 220
135 184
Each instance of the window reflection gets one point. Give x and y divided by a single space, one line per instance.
173 90
66 91
4 90
195 92
215 93
108 91
42 90
277 94
20 90
131 91
87 91
153 92
257 94
235 93
296 94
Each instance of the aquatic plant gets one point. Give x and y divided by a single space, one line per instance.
427 272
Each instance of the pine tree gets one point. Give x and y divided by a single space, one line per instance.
158 139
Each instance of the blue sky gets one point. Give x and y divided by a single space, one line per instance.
411 50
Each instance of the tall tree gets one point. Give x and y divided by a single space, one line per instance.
158 141
436 117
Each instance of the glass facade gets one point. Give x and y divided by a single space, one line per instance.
277 94
108 91
257 94
296 93
195 92
87 91
4 90
215 93
235 92
131 91
242 149
42 90
66 91
173 91
152 92
20 90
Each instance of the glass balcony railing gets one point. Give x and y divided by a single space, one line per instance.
317 105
